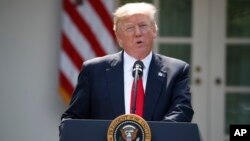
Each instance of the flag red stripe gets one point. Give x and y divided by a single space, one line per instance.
71 52
103 14
84 28
66 84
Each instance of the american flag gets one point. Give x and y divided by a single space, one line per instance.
86 33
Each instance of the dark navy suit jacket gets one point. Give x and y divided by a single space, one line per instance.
99 93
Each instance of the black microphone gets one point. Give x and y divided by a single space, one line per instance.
137 68
137 73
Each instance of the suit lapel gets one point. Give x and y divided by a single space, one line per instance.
115 84
156 76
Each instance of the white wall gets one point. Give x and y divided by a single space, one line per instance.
30 106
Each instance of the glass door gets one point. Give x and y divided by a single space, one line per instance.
237 92
183 28
230 63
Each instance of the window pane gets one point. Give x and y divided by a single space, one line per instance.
179 51
175 18
238 18
238 65
237 109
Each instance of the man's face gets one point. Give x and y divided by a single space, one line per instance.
136 35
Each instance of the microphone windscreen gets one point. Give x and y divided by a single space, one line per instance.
138 66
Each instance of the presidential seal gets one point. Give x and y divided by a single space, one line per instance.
129 127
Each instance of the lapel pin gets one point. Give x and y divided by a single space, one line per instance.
160 74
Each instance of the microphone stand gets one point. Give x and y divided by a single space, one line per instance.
135 91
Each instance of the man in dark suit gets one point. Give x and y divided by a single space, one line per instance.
104 84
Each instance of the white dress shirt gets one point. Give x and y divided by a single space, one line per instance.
128 78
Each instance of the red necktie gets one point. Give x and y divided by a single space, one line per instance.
139 99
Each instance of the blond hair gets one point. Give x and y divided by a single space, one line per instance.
134 8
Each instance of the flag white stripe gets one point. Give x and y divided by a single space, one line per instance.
100 31
77 39
109 4
68 68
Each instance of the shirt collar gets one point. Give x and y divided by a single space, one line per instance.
129 61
